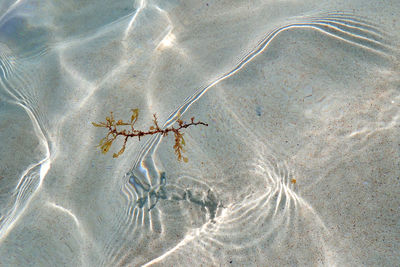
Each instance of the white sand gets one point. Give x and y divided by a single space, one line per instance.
299 165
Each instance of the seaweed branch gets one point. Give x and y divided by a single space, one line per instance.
126 130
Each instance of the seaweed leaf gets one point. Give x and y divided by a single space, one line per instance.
101 124
135 115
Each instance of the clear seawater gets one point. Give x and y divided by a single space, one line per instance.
299 164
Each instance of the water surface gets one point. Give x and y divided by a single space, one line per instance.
299 164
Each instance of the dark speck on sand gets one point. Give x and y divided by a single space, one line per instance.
258 110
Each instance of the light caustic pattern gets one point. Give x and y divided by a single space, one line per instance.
249 228
247 214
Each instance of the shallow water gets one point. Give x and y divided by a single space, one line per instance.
299 165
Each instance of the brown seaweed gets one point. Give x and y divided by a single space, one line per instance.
126 130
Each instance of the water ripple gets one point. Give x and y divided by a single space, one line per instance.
218 213
271 215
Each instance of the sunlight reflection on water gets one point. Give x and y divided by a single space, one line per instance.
303 113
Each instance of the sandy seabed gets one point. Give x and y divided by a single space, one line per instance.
299 164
